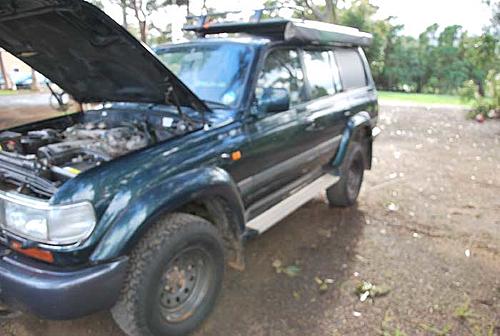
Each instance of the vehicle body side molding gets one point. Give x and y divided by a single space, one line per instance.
141 211
356 122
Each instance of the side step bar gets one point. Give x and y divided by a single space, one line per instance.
269 218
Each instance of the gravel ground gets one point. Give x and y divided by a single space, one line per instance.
24 107
426 234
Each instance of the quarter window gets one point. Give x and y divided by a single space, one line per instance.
282 70
351 67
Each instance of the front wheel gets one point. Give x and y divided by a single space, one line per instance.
175 276
345 192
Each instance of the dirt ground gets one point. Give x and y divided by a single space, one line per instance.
426 233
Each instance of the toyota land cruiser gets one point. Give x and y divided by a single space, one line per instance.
137 204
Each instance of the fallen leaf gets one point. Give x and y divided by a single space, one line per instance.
367 290
277 263
325 233
364 296
292 270
391 206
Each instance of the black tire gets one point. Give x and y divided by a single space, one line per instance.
345 192
160 277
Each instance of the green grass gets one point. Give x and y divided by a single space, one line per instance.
420 98
7 92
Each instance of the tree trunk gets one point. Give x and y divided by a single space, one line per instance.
141 19
419 86
143 29
331 7
480 88
34 81
188 10
124 14
5 75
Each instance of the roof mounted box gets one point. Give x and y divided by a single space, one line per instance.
294 30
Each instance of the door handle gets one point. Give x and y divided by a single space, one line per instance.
313 126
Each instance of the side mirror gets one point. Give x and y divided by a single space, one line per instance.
274 100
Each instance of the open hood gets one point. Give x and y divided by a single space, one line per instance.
88 54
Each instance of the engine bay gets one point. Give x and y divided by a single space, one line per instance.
40 160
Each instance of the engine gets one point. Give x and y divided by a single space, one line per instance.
45 158
85 145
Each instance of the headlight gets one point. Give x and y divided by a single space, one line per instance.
38 221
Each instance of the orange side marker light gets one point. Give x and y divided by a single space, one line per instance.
235 156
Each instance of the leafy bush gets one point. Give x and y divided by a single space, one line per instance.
487 106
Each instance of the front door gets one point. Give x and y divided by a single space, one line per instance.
270 160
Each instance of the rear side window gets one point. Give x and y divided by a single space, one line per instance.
319 73
351 68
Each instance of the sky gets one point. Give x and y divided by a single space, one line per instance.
416 15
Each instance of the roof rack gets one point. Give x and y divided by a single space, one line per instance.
276 28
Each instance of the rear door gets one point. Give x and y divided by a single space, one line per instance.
323 119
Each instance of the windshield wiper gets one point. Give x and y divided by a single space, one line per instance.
216 103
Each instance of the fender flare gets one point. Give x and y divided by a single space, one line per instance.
355 124
140 211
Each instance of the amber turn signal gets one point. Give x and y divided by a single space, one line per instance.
35 253
235 156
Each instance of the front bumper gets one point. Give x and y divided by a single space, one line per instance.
59 294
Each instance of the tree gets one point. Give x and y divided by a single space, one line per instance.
326 11
494 27
5 75
144 9
447 65
360 15
427 43
481 56
34 81
401 67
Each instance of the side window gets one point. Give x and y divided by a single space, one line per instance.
351 68
283 72
319 73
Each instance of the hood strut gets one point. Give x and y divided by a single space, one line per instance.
171 93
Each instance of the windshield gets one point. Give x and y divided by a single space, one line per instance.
214 72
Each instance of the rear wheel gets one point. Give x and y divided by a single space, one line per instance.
345 192
175 277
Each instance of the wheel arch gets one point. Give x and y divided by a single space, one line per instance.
359 129
207 192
